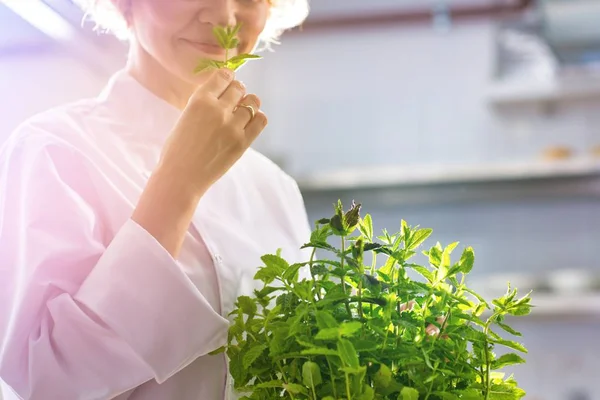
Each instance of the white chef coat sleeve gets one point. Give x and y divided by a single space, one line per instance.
82 315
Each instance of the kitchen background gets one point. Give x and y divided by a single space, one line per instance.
477 118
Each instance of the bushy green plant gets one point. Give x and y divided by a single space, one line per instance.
363 332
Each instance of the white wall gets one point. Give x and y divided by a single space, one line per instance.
31 83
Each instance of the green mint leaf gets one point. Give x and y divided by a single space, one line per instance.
247 305
419 237
408 393
321 234
337 225
507 360
352 217
267 274
405 231
372 246
349 328
467 260
445 262
367 394
435 257
233 43
328 334
424 272
252 354
291 274
347 353
295 388
236 29
239 60
366 227
508 329
222 36
319 351
311 374
269 385
325 320
274 267
383 377
505 392
319 269
207 64
275 261
509 343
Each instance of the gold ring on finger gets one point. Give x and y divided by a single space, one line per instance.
250 108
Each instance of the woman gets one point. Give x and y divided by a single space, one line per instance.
131 222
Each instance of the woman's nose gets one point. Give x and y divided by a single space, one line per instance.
219 12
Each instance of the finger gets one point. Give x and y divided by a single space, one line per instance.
242 115
234 93
256 126
218 82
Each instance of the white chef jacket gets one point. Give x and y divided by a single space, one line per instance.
91 305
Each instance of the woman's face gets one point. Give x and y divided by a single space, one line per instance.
178 33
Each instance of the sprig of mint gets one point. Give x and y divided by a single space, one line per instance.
227 38
369 332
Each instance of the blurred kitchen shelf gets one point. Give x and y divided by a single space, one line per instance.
447 183
522 93
448 174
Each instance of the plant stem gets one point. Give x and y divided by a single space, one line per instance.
360 310
348 387
284 379
344 275
312 385
432 382
487 356
373 267
374 264
332 377
310 265
487 370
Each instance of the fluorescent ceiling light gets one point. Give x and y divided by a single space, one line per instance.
42 17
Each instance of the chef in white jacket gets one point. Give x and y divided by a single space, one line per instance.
131 222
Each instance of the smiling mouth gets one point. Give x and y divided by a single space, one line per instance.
207 48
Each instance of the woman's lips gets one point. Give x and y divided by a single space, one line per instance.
207 48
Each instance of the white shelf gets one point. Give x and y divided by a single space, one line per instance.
566 304
394 176
523 93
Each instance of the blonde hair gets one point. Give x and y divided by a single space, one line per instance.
285 14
